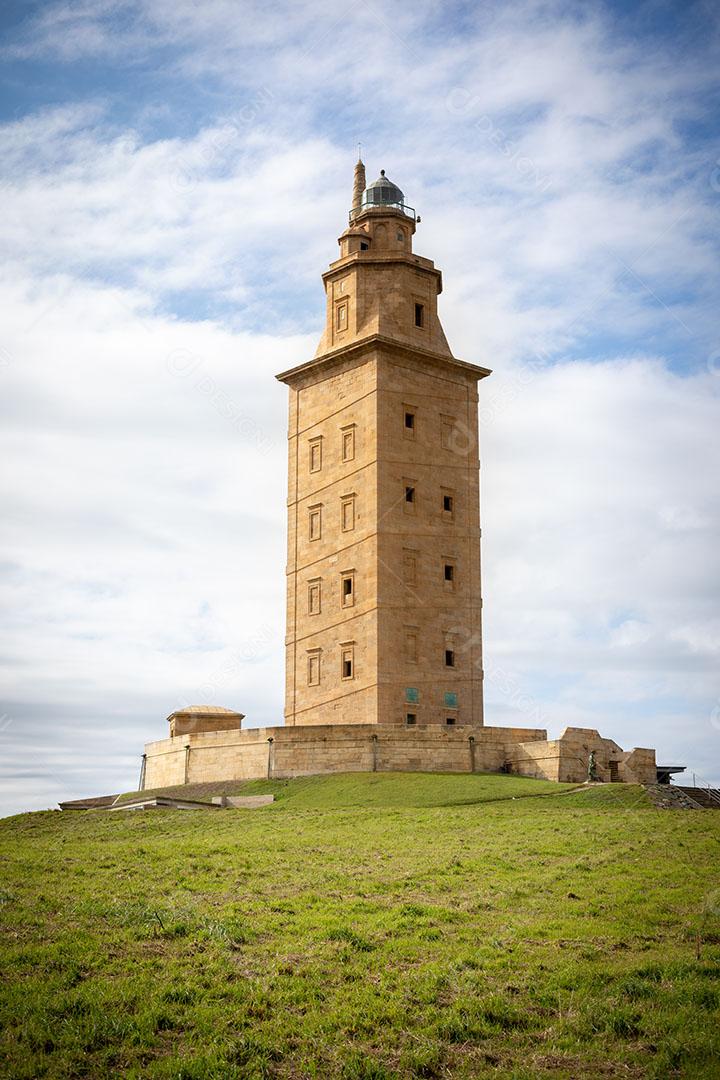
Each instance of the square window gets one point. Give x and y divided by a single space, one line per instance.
364 246
449 658
412 695
451 699
419 314
410 718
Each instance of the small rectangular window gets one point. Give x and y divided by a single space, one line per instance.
347 513
449 658
364 246
341 316
450 720
316 454
411 650
410 498
409 424
347 589
347 662
348 443
419 314
448 506
410 718
313 667
314 597
315 522
449 572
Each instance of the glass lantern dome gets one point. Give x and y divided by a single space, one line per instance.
383 193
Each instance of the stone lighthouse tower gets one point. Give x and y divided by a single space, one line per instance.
383 645
383 573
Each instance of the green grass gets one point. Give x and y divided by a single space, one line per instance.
365 927
372 789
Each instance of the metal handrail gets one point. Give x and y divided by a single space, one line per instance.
408 211
704 786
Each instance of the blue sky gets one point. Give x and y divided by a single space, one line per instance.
174 178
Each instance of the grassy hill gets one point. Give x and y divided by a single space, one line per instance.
365 927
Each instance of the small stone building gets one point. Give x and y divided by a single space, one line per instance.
197 718
384 603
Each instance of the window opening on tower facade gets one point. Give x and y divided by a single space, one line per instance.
316 454
314 596
313 667
315 522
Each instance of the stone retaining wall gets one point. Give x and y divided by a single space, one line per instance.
284 752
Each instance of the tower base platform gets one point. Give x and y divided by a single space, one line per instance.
286 752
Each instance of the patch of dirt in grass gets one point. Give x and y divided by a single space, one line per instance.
575 1067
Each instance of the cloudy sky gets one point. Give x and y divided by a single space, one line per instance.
175 174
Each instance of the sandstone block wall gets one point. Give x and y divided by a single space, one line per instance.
404 616
332 527
439 457
283 752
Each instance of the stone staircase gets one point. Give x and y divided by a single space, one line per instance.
708 798
670 797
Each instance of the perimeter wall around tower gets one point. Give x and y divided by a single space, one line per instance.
285 752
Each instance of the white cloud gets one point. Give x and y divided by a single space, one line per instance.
589 583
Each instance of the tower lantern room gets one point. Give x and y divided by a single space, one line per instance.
382 194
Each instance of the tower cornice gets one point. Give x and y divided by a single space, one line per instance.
362 258
357 349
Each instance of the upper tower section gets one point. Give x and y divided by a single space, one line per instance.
379 287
